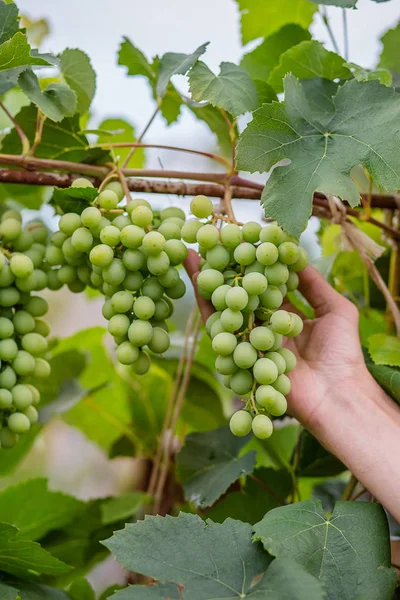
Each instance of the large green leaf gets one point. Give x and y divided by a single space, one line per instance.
354 127
390 57
276 452
216 121
47 510
384 349
209 463
81 590
119 130
260 18
122 507
24 558
173 63
314 460
79 74
9 21
260 61
349 551
73 199
16 52
131 57
361 74
307 60
205 561
387 377
56 101
340 3
232 90
31 591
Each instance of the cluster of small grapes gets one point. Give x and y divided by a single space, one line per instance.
246 273
131 256
22 333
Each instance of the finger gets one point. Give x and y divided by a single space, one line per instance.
322 297
205 306
192 263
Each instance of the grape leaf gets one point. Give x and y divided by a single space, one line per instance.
361 74
131 57
81 590
390 58
21 557
8 593
314 460
119 130
47 510
340 3
204 560
122 507
259 18
349 551
173 63
37 591
73 199
79 75
215 120
387 377
260 61
307 60
56 101
9 21
354 127
16 52
276 452
209 463
329 491
232 90
384 349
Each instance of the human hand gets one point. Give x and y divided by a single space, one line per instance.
328 350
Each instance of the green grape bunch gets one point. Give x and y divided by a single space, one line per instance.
131 255
246 272
23 333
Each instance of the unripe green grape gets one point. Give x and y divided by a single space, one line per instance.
251 232
133 281
8 378
283 289
82 239
127 354
218 297
108 199
83 272
272 233
121 221
231 320
161 310
297 326
290 359
96 280
132 236
133 259
42 369
42 328
240 423
218 257
69 250
262 338
23 322
34 343
169 278
288 253
201 206
170 231
278 407
132 204
35 394
255 267
176 250
208 236
282 322
216 328
277 274
22 396
8 438
153 289
58 238
224 343
6 277
120 339
140 333
107 310
252 305
122 302
231 235
265 371
265 395
245 254
23 363
101 255
91 217
10 229
278 360
6 398
144 308
241 382
116 187
32 414
211 320
69 223
6 328
109 290
245 355
236 298
8 350
118 325
267 253
255 284
301 262
278 341
23 242
76 286
141 216
9 296
282 385
115 273
158 265
190 229
67 274
142 364
272 298
210 280
225 365
172 211
292 282
82 182
11 214
262 427
160 341
54 256
18 423
153 243
104 222
110 236
21 265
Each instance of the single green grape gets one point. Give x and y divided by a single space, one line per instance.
144 308
171 212
121 302
225 365
116 187
8 378
244 355
162 310
6 328
211 320
127 354
216 328
218 257
290 358
82 182
32 414
34 343
282 384
223 343
110 236
255 267
67 274
6 277
262 427
108 199
272 298
54 256
91 217
267 253
240 423
282 322
58 238
218 296
118 325
107 310
241 382
23 363
170 231
297 326
153 289
231 320
301 262
288 253
115 273
255 284
292 282
69 223
272 233
42 327
160 341
8 438
23 242
231 235
21 265
42 369
18 423
236 298
142 365
252 305
101 255
140 333
210 280
201 206
141 216
10 229
245 254
121 221
132 204
190 229
265 395
82 239
208 236
6 398
277 274
158 265
22 396
262 338
265 371
8 350
251 232
170 277
153 243
133 281
133 259
278 360
176 250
